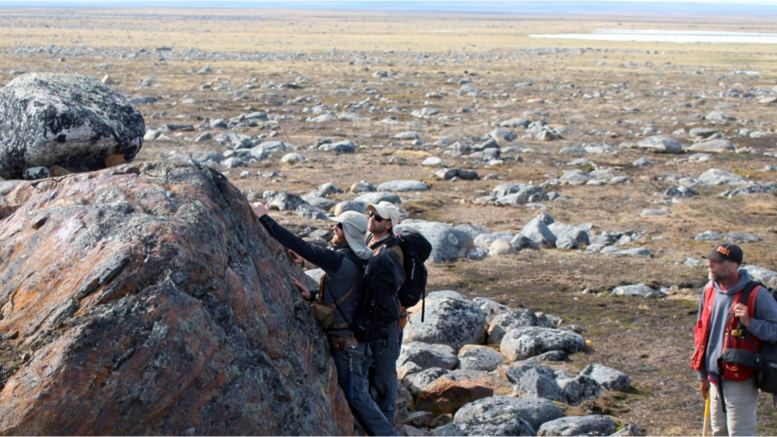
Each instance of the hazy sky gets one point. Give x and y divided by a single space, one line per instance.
665 7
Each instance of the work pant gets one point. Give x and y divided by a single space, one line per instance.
382 368
362 405
741 399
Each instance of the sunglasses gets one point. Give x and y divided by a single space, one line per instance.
339 226
375 216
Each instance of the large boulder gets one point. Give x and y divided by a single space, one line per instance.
448 321
72 121
448 243
153 303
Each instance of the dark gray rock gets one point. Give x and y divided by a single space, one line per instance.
527 193
707 236
426 356
350 205
505 415
321 202
490 308
283 201
448 244
535 382
308 211
578 425
702 132
607 377
569 236
660 144
452 322
741 237
537 231
522 343
680 191
362 187
35 173
379 196
520 242
416 382
72 121
579 388
346 146
508 320
210 155
474 357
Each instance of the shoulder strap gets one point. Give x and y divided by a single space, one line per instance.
749 299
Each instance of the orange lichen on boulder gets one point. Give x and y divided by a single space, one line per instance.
144 299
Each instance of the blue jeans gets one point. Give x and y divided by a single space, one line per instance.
362 405
382 364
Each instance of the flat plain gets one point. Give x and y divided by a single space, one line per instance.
370 71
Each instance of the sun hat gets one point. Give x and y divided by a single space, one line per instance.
354 227
387 211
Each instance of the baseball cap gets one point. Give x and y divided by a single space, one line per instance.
386 210
725 252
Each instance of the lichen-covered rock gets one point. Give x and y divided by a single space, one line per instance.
513 318
474 357
536 382
607 377
595 424
522 343
72 121
505 415
416 382
146 299
490 308
452 322
425 356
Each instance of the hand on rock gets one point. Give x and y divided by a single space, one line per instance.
304 291
260 209
296 258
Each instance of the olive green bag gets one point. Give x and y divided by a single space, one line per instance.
324 312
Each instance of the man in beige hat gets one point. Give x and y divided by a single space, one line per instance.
345 266
382 373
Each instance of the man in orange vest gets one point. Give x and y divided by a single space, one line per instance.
722 325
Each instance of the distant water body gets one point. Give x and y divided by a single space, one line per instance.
674 36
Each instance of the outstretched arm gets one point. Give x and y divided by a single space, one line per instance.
329 260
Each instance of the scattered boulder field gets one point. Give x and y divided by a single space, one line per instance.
135 282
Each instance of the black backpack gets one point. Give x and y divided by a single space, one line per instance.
379 309
416 250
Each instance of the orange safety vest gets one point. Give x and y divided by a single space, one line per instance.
734 338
